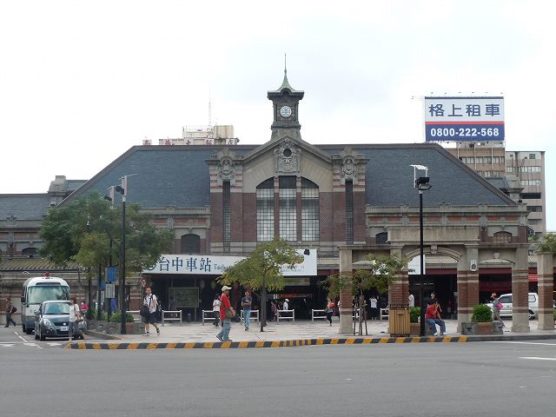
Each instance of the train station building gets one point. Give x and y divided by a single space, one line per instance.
336 204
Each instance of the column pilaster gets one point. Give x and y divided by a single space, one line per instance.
346 296
520 291
545 271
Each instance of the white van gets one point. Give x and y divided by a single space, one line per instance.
507 305
35 291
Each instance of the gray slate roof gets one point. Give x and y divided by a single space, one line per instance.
24 206
178 176
390 177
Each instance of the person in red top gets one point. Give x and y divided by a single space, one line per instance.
226 314
432 317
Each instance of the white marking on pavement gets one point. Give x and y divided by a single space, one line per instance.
54 344
32 345
21 337
537 358
7 344
529 343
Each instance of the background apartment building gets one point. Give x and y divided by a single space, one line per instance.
520 174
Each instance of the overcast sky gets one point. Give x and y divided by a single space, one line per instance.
81 82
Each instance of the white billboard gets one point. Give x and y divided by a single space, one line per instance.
468 119
216 265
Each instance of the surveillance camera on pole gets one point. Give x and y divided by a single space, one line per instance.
421 177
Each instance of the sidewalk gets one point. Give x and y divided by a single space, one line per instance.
195 335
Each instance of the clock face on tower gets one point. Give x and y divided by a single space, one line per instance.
285 111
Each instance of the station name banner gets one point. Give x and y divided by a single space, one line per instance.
467 119
216 265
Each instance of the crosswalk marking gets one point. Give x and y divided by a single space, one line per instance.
537 358
7 344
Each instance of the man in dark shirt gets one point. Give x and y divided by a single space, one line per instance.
246 303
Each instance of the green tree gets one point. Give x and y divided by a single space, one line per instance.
379 274
88 231
262 270
548 243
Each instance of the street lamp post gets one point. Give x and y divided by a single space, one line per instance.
421 183
122 189
110 197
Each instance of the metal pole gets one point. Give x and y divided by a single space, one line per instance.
421 272
122 272
99 300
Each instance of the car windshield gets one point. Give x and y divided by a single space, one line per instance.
42 293
56 308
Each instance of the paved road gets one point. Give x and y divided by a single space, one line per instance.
14 338
478 379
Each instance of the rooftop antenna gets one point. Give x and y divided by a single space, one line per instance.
210 110
285 63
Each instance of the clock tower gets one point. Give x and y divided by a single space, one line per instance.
285 102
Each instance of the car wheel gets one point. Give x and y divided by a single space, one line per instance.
23 328
28 331
42 337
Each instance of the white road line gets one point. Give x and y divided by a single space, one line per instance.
529 343
21 337
7 344
31 344
537 358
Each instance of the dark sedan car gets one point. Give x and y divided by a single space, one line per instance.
53 320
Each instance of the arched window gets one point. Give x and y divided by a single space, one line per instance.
310 212
190 243
381 238
265 210
503 237
30 252
288 208
298 209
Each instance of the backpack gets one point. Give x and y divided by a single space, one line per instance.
498 306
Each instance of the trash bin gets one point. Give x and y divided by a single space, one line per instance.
398 321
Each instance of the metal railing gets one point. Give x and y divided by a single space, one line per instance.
254 316
175 315
280 315
208 315
319 316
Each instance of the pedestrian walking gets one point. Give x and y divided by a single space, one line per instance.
151 303
246 304
286 305
216 310
226 314
74 317
273 310
83 307
10 309
411 300
496 307
329 310
373 304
